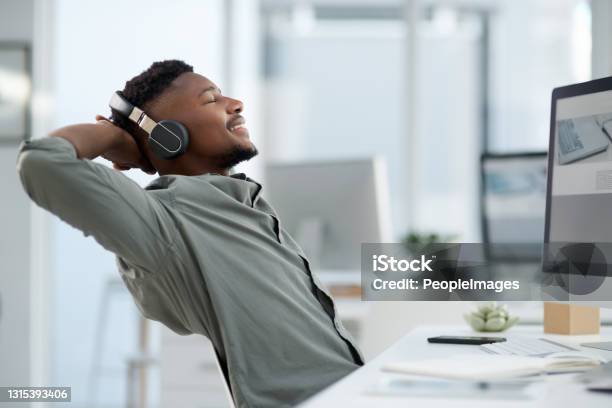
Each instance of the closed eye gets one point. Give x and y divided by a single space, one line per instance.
210 94
210 98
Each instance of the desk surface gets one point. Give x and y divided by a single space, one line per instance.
553 391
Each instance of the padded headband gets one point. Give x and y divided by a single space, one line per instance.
120 104
134 113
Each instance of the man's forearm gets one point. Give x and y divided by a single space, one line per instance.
89 140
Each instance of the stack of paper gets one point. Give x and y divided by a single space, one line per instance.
488 367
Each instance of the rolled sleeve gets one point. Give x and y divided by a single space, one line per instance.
99 201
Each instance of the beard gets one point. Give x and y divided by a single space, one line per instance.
237 155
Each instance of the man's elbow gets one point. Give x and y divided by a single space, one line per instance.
34 167
29 164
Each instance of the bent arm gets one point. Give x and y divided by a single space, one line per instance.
58 175
89 140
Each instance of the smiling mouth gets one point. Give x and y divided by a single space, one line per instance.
236 127
236 122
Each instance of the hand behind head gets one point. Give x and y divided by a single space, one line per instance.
127 153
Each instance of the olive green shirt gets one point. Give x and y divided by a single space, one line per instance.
205 255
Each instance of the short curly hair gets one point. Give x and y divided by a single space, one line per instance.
148 85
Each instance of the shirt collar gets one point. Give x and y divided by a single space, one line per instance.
237 185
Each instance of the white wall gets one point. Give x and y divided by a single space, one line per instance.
447 139
16 24
536 48
602 38
335 92
243 54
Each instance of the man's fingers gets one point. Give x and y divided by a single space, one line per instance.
143 166
147 167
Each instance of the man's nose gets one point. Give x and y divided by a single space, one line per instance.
234 105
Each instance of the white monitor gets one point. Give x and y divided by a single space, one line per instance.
331 207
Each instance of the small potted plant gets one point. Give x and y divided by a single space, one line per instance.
491 318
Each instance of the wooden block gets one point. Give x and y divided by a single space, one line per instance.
345 291
560 318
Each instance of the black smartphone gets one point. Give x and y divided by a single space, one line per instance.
465 340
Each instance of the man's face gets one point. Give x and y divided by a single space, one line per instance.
217 131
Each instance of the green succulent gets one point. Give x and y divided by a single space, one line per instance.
491 318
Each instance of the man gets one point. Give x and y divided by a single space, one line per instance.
199 249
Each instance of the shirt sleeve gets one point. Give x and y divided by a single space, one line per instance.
99 201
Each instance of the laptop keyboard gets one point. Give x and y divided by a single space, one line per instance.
568 137
527 347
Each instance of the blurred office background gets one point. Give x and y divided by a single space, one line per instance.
425 86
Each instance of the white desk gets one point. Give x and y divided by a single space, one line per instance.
554 391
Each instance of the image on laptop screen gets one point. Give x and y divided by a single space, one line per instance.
581 191
580 138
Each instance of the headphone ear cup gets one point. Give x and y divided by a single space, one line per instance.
169 139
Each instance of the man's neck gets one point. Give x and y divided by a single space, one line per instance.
192 172
192 169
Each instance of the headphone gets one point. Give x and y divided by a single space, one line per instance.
168 139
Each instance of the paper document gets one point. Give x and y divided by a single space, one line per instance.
488 367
